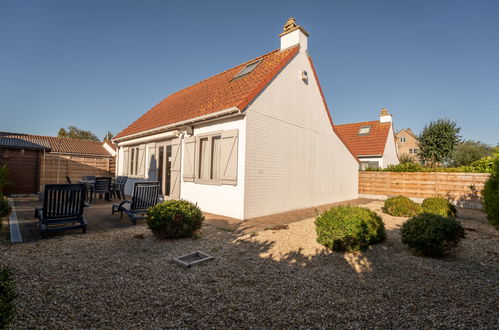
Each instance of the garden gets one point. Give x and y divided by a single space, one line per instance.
323 271
365 263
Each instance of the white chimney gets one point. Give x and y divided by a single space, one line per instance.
384 116
293 35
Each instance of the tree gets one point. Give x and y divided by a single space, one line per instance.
62 132
466 152
76 133
438 141
108 136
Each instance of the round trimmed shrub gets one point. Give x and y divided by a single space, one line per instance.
174 219
349 228
7 296
491 195
438 205
401 206
431 234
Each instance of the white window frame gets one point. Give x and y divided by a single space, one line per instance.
133 161
198 163
364 130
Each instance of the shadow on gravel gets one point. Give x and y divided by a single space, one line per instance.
124 278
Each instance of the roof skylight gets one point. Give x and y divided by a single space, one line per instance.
247 69
364 130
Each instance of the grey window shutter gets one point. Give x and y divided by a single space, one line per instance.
175 169
189 158
126 153
228 157
141 157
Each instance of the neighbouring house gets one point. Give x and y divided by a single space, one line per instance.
35 160
254 140
372 142
407 143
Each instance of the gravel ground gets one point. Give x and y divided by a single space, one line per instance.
271 279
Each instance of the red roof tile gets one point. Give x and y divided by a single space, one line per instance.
214 94
364 145
59 145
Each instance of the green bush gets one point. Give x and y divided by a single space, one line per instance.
438 205
348 228
173 219
4 208
401 206
432 234
4 177
483 165
7 296
491 196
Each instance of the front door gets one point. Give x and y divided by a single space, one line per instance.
168 156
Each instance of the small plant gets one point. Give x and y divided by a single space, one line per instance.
401 206
431 234
174 219
406 159
4 177
438 205
349 228
7 296
491 195
4 208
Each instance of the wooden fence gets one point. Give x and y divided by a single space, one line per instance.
462 188
54 168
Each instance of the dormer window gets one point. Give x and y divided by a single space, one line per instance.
247 69
364 130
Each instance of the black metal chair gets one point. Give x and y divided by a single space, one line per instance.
88 178
145 195
102 186
68 179
118 189
62 208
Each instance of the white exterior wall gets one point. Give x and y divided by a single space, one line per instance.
390 156
227 200
294 160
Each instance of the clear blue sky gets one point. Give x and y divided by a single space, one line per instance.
99 65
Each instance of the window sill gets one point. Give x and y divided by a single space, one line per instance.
208 182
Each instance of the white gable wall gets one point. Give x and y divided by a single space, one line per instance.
294 160
390 156
227 200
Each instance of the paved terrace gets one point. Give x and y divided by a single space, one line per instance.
99 218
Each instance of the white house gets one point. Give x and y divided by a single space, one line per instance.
372 142
254 140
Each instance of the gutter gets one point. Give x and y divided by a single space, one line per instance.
368 156
215 115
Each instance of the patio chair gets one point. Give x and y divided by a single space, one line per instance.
62 208
102 186
68 179
88 178
118 189
145 195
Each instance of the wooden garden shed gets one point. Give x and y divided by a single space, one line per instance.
35 160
